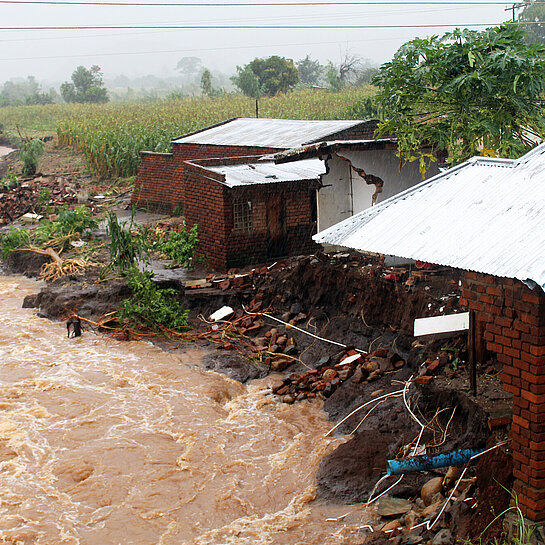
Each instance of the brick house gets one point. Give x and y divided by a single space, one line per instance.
255 210
160 185
486 217
279 216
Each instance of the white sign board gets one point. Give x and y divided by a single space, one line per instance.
441 324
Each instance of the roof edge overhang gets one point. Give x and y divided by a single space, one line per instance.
325 148
173 141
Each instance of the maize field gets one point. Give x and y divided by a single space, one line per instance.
111 136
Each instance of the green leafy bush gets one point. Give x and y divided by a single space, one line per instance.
10 180
14 238
70 223
180 245
30 154
149 306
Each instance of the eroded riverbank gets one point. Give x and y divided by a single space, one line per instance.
114 442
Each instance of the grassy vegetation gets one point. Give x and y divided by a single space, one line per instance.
111 136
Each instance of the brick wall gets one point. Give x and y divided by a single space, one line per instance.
244 248
205 205
364 131
512 320
159 182
209 204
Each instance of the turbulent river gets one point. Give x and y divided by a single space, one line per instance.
105 442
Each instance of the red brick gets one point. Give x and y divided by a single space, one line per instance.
504 341
533 398
504 322
533 298
494 290
493 347
511 352
511 333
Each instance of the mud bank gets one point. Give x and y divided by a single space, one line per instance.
350 300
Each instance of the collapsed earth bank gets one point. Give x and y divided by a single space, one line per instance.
352 300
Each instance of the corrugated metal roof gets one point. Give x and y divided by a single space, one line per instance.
485 215
268 172
266 133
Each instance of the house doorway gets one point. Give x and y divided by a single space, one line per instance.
276 226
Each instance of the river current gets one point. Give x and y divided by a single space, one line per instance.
107 442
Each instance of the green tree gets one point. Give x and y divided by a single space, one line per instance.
27 91
266 76
206 83
534 13
466 92
310 71
86 86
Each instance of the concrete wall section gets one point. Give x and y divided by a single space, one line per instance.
345 192
385 164
335 196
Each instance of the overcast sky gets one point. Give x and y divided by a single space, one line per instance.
52 55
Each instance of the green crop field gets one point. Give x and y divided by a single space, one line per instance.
111 136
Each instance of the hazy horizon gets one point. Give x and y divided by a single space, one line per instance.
52 55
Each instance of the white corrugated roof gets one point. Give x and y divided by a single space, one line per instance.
486 215
268 172
266 133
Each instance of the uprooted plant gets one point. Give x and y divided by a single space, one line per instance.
70 224
149 306
126 247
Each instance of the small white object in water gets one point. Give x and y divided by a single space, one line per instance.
78 243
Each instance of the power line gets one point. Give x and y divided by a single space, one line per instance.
196 50
262 4
258 27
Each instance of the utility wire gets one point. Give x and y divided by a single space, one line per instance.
261 4
259 27
196 50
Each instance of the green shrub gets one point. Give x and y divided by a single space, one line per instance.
14 238
180 245
150 307
71 223
30 154
10 180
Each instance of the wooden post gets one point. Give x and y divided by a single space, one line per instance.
472 353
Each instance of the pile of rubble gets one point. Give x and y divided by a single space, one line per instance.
23 198
331 372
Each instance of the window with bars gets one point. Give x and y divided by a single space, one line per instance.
242 212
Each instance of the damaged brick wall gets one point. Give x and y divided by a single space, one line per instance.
298 198
209 204
159 182
511 318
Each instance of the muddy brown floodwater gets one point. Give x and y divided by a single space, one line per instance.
105 442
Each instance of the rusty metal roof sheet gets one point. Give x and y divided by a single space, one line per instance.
327 146
268 172
266 133
485 215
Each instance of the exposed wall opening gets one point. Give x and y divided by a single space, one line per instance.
242 215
